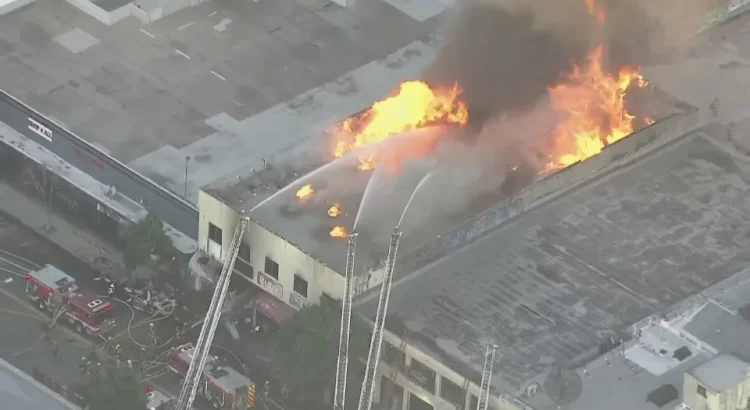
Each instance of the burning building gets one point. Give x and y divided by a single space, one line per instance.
449 164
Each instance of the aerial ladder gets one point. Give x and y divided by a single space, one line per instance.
203 345
368 384
342 362
484 389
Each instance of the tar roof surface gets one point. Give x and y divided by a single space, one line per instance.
306 224
555 283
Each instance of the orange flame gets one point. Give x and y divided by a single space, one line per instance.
415 106
305 192
596 11
338 232
591 103
334 211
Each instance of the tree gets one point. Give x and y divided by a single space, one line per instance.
308 345
145 238
111 386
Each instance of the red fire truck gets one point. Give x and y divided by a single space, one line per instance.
224 387
53 290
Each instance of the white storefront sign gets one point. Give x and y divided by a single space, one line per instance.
298 301
40 129
270 285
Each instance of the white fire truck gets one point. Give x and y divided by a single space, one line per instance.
57 293
224 387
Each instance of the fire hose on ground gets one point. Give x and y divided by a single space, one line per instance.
47 333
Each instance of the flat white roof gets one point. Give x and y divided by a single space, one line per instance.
722 372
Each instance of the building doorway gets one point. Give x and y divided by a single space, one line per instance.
391 395
415 403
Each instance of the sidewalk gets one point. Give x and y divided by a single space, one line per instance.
77 241
84 245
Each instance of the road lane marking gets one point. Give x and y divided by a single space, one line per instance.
212 14
182 54
147 33
219 76
184 26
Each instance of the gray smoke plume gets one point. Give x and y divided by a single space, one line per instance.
504 54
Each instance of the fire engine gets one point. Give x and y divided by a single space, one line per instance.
224 387
57 293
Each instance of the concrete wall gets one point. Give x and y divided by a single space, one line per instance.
497 402
107 17
7 6
616 155
148 11
264 243
733 398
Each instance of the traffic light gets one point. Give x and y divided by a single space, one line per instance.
251 395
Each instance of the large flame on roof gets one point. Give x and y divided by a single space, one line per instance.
591 104
338 232
334 210
415 105
596 11
305 192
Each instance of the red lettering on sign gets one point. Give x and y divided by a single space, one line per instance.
97 164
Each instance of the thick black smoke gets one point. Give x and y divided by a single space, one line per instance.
504 54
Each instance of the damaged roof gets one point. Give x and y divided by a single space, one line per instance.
554 285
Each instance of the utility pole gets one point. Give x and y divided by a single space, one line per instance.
187 162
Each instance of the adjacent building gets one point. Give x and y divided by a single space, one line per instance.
553 274
18 391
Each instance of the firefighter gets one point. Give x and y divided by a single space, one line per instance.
55 349
285 391
84 365
47 333
714 107
266 390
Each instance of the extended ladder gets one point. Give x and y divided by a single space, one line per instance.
484 389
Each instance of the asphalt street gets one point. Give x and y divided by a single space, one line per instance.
21 322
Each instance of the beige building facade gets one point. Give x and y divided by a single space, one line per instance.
298 279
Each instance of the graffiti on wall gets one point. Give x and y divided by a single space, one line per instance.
481 225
